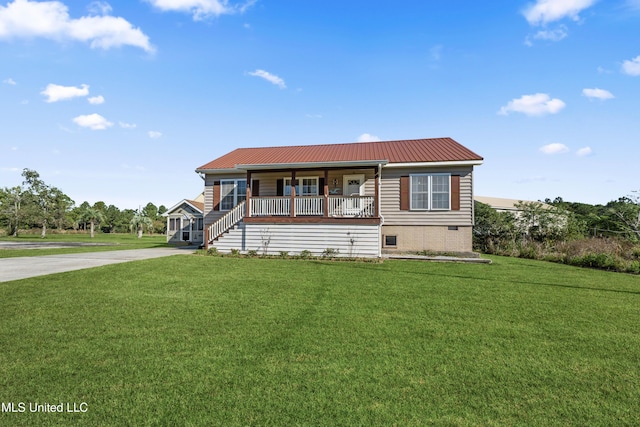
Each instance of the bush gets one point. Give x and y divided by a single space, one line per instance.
330 252
305 254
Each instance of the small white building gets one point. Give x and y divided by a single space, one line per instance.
185 222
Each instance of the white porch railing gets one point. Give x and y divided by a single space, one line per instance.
352 206
309 205
227 221
339 206
270 206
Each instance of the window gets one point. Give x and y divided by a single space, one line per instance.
431 192
309 186
174 224
390 241
232 192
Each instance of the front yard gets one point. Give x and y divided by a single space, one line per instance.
191 340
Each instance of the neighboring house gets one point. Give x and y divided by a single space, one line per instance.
529 215
507 205
356 199
185 222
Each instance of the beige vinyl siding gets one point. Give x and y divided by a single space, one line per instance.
210 216
390 199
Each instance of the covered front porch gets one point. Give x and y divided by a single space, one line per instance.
326 193
340 195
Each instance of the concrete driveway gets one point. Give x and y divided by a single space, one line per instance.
24 267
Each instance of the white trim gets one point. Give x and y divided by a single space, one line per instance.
433 164
429 192
345 183
314 165
184 201
235 192
299 179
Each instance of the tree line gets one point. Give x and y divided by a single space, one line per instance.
38 205
601 236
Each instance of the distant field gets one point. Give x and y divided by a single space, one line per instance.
103 242
193 340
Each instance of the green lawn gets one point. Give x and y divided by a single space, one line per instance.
102 242
193 340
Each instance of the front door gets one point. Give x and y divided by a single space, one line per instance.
186 230
353 188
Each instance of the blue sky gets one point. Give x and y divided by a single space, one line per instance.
121 101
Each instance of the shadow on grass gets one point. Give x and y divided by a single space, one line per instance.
492 280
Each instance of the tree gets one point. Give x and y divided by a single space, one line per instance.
492 229
93 216
139 221
627 213
150 211
11 211
42 200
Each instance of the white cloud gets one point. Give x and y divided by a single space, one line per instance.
154 134
533 105
92 121
55 93
585 151
51 20
9 81
597 93
99 8
632 66
201 9
95 100
271 78
544 11
554 35
367 137
555 148
127 125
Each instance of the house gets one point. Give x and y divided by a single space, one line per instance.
356 199
507 205
185 222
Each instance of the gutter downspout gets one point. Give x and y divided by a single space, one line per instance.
380 210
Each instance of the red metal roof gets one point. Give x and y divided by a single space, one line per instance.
404 151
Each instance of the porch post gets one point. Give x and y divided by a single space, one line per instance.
377 191
248 200
326 193
293 194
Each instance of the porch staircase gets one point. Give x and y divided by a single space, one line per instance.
226 222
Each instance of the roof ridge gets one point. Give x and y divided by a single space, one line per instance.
340 143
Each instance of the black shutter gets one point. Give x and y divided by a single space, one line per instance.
280 187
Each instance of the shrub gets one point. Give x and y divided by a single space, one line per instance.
212 251
305 254
235 252
330 252
284 254
252 253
